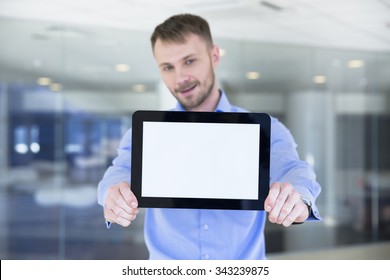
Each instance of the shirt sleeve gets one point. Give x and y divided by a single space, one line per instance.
286 166
119 171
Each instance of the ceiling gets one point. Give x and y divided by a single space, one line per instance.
352 24
86 39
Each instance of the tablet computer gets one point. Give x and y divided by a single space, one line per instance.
200 160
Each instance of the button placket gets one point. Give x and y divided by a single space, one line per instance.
204 227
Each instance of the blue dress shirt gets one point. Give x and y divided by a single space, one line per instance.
216 234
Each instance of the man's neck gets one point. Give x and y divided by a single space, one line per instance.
210 104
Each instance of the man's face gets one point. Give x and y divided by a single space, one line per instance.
187 69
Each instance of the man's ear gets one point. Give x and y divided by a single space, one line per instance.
215 56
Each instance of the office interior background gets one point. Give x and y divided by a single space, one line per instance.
72 73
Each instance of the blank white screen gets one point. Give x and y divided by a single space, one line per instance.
200 160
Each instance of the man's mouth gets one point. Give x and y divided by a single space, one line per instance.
186 89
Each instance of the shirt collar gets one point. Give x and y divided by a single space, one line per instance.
222 106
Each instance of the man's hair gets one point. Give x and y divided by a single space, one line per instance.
177 27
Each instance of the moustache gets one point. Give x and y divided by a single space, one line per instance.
186 86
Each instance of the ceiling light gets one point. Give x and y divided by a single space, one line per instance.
21 148
139 88
35 147
253 75
319 79
39 37
55 87
43 81
270 5
122 68
355 63
69 32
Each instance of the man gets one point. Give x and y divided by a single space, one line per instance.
187 58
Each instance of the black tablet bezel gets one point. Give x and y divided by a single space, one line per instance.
263 119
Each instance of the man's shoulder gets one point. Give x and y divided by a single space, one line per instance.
237 109
275 122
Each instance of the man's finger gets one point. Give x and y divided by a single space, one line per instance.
112 217
123 218
273 193
128 195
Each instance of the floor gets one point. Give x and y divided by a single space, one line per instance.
58 218
371 251
32 231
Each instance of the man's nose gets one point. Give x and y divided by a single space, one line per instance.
182 76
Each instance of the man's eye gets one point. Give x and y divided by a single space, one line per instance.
167 68
190 61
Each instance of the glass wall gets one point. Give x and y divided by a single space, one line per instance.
66 97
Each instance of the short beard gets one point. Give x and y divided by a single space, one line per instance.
200 99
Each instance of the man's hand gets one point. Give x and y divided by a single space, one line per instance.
284 205
121 205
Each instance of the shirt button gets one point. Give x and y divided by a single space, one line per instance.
205 226
206 257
